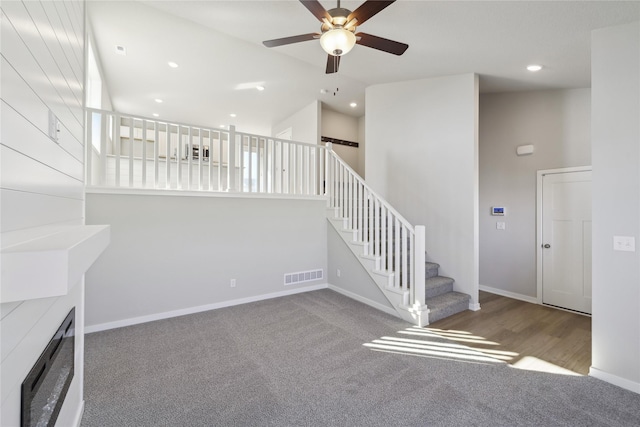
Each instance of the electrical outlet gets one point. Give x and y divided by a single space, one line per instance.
233 283
624 243
501 225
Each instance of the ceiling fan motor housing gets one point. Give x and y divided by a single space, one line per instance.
337 37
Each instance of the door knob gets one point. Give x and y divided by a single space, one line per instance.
546 246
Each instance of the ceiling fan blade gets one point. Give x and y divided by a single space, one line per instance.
380 43
332 64
289 40
368 9
317 9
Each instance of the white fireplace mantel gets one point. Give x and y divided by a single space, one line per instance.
50 264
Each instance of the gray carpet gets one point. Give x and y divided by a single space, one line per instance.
302 361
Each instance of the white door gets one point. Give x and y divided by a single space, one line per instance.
566 240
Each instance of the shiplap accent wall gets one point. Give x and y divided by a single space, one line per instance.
42 181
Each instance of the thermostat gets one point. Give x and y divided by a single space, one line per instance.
497 210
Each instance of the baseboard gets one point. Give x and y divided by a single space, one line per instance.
508 294
615 380
364 300
198 309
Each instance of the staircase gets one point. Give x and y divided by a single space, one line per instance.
389 248
441 299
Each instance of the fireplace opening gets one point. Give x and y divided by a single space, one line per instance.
46 385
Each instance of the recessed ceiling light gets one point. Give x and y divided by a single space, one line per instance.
172 64
232 115
353 105
223 126
158 100
534 67
156 115
121 50
260 88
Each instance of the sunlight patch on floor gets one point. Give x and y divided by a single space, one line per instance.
460 346
426 332
530 363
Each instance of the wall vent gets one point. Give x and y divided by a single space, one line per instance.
302 276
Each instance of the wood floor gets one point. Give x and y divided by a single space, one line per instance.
529 333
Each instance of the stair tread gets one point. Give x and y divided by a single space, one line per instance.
431 265
435 281
437 285
446 305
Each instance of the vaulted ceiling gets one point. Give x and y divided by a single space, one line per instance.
218 48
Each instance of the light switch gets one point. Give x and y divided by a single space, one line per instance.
501 225
624 243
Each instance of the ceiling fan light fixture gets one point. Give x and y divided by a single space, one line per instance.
337 41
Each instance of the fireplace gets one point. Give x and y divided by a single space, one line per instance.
46 385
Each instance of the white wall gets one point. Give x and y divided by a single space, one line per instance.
557 123
341 126
426 165
304 124
354 280
615 140
171 255
41 181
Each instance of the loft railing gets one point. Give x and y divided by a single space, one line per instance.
125 151
396 246
143 153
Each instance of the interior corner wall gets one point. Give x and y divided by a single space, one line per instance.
557 123
422 156
341 126
305 124
615 140
172 255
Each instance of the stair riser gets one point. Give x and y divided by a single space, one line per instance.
430 272
440 313
438 290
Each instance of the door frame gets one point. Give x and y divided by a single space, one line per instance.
539 209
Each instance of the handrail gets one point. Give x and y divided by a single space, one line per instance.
370 190
396 246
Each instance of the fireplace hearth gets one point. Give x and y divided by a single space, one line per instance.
46 385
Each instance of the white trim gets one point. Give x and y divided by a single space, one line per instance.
198 309
79 413
521 297
539 175
193 193
474 306
367 301
615 380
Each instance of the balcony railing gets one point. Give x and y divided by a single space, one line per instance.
143 153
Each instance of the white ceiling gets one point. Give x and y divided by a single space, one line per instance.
218 45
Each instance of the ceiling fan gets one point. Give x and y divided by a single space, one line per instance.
338 31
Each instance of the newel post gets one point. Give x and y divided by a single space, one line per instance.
419 267
328 179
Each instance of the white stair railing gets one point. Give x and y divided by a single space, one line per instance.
396 246
126 151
